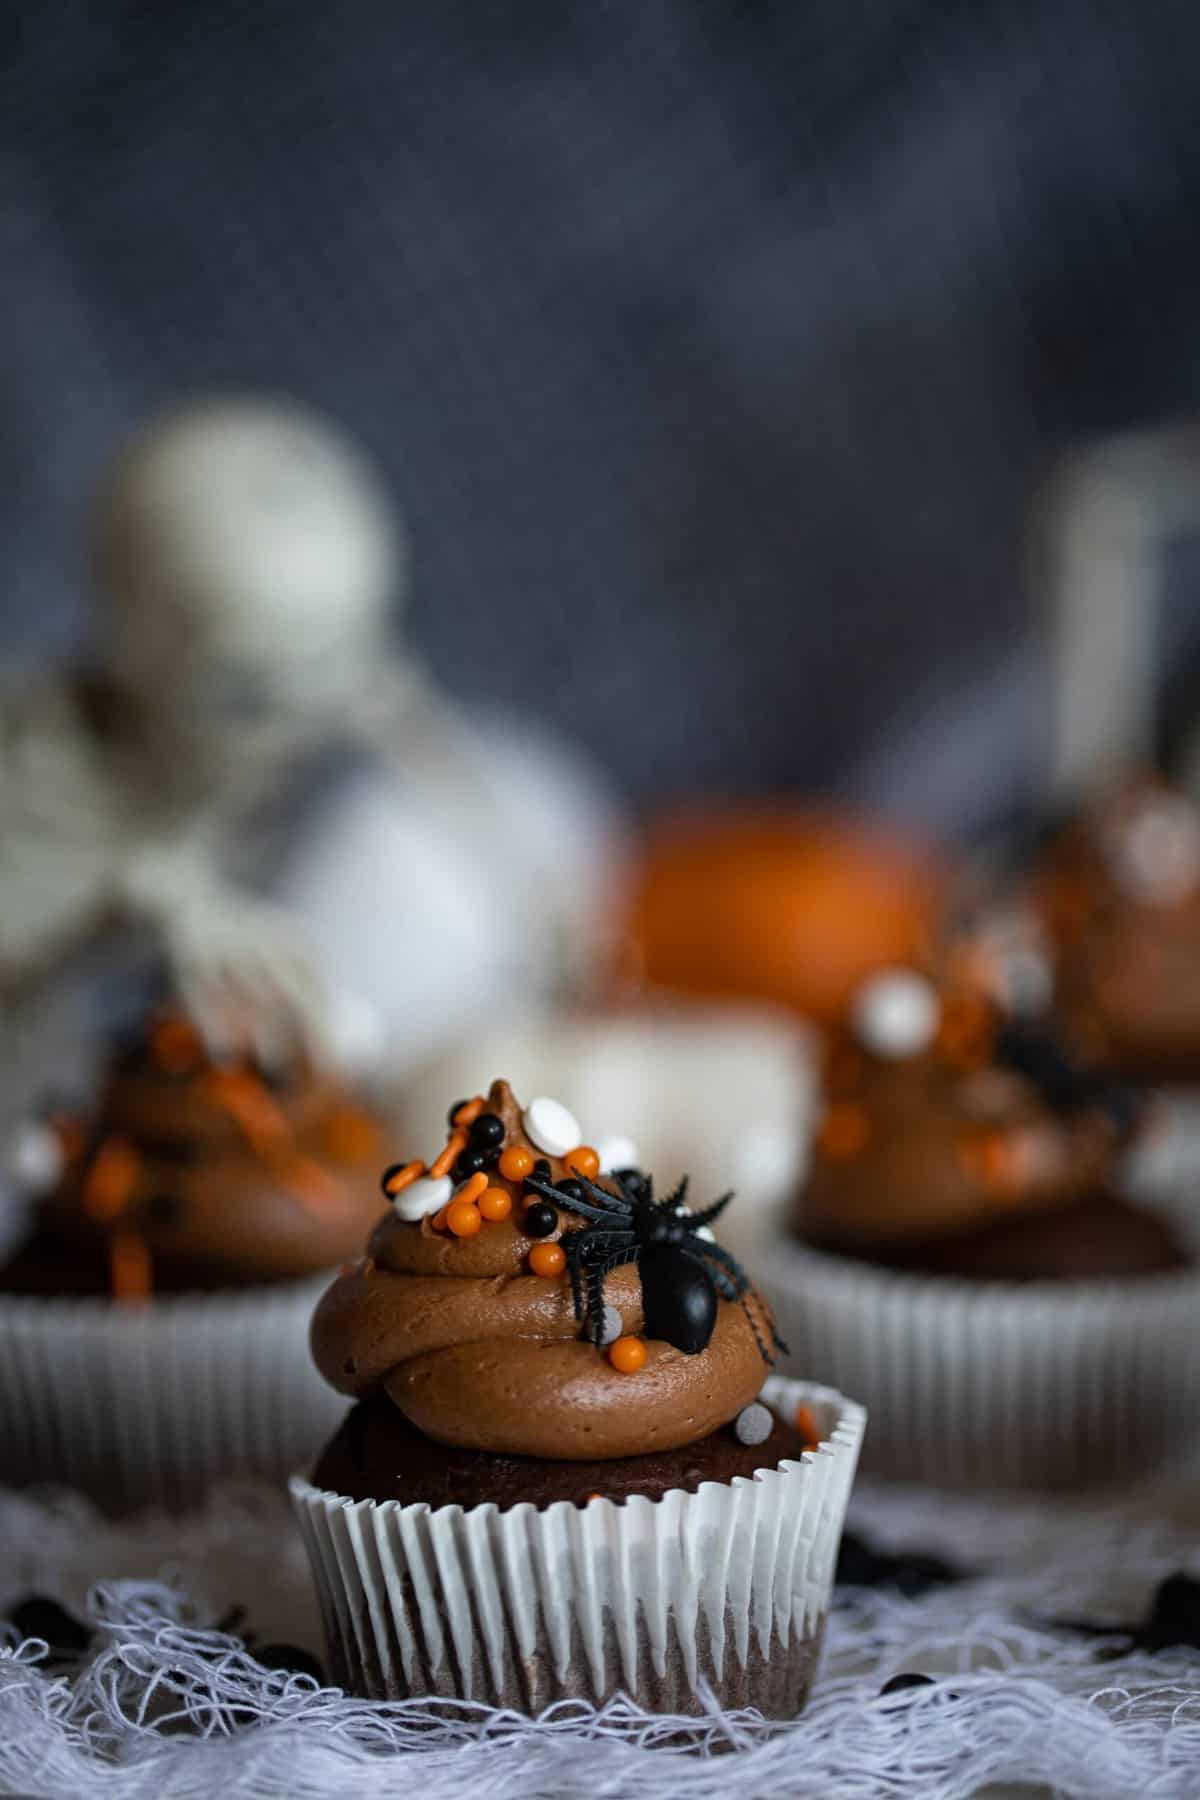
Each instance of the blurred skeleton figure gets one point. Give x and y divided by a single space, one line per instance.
248 762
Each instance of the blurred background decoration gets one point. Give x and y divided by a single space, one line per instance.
635 519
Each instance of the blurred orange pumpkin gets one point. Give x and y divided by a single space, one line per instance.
784 905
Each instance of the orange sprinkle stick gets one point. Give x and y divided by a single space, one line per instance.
805 1421
129 1267
110 1180
405 1177
314 1187
468 1112
251 1104
473 1186
454 1148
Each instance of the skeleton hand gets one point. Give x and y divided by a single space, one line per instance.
239 965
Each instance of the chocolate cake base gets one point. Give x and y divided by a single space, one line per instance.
1097 1240
378 1455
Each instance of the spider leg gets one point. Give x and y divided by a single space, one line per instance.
707 1214
595 1310
716 1254
609 1203
678 1198
575 1260
548 1191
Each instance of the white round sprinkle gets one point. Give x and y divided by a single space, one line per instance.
551 1126
896 1013
1156 855
612 1327
753 1424
617 1153
428 1194
36 1158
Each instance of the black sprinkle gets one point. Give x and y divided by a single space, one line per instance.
487 1131
912 1572
40 1617
292 1659
457 1107
1173 1622
469 1162
539 1220
908 1679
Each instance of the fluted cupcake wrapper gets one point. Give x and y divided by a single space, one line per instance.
148 1405
726 1586
1042 1384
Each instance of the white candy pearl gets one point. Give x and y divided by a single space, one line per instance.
617 1153
896 1013
426 1195
36 1160
612 1327
551 1126
753 1424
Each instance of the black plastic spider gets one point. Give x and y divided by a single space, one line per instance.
682 1273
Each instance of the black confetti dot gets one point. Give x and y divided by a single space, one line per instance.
487 1131
38 1616
909 1678
539 1220
292 1659
912 1572
469 1162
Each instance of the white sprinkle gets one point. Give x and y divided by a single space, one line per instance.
753 1425
428 1194
896 1013
617 1153
612 1327
706 1232
36 1159
551 1126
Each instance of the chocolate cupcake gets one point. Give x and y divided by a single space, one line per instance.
1119 891
558 1478
962 1254
157 1308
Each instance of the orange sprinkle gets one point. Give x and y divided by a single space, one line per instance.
463 1218
627 1355
583 1161
468 1112
516 1162
989 1157
547 1259
472 1187
844 1131
350 1135
129 1267
314 1187
111 1179
403 1177
175 1044
70 1134
438 1220
495 1203
805 1421
249 1102
965 1034
456 1145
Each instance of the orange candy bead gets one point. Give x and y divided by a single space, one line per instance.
463 1218
627 1355
547 1259
472 1187
403 1177
495 1203
583 1161
516 1162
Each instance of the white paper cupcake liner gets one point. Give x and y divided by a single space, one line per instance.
1043 1384
147 1405
728 1586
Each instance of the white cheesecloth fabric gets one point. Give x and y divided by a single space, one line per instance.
165 1705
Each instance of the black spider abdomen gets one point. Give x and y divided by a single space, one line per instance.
678 1299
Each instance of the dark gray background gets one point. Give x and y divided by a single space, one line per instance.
713 350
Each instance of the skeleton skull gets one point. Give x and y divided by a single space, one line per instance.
246 557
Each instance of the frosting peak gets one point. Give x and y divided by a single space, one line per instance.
478 1349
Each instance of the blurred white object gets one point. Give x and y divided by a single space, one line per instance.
1104 527
248 562
722 1094
896 1013
36 1157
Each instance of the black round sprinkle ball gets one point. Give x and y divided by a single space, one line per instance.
633 1179
457 1107
574 1190
541 1169
292 1659
909 1678
470 1161
539 1220
40 1617
487 1131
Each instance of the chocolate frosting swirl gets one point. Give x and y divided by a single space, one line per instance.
477 1352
